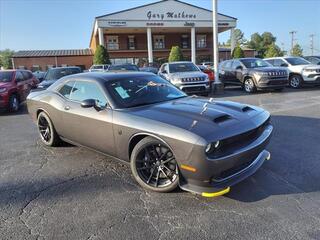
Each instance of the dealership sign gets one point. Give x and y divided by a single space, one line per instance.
170 15
117 23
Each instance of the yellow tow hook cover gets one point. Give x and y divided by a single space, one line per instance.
216 194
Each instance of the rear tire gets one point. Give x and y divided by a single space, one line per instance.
47 131
249 85
14 103
295 81
153 165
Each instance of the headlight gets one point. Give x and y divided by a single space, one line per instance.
176 80
2 90
212 146
261 73
309 70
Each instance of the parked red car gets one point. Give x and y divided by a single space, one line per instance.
15 86
208 71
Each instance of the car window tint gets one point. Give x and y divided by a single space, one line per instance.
26 75
228 64
278 62
236 64
83 90
19 76
66 89
271 61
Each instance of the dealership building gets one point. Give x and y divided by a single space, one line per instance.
143 34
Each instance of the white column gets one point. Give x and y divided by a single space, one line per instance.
193 45
101 36
233 42
149 40
215 42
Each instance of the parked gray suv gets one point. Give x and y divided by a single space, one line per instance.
186 76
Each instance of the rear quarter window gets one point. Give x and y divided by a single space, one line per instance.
65 90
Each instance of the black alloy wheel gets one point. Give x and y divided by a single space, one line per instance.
46 130
154 166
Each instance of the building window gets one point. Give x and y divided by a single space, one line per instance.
201 41
159 42
131 43
185 41
21 67
35 68
112 43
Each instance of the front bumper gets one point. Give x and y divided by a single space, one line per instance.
271 83
195 87
214 175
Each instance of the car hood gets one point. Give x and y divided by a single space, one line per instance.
47 83
187 74
211 120
301 67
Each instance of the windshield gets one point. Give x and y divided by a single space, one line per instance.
138 91
5 76
254 63
297 61
123 68
54 74
182 67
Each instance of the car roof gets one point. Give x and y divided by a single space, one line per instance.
178 62
108 76
64 67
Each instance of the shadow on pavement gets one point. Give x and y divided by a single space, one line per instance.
293 169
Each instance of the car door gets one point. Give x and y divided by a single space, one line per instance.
227 71
88 126
22 87
236 72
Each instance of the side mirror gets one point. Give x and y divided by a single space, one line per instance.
41 79
239 68
164 72
284 65
88 103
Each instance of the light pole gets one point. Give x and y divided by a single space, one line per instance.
218 85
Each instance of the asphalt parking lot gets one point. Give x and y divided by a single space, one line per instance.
73 193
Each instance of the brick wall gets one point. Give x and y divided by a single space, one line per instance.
43 62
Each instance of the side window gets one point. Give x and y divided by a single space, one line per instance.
88 90
65 90
26 75
236 64
278 62
228 64
19 77
271 61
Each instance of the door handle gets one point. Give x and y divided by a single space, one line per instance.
66 108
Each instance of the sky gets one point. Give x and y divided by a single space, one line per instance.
57 24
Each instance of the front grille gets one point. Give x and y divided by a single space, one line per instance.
228 145
193 79
277 73
194 89
278 82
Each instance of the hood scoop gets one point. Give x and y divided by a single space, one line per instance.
222 118
247 109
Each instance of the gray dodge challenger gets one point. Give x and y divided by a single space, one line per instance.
170 139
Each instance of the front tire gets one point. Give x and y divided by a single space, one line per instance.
14 103
153 165
47 131
249 85
295 81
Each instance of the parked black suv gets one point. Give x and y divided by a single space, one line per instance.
253 74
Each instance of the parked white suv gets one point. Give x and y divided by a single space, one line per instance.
301 71
186 76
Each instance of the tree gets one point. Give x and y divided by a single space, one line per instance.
6 58
261 42
238 38
101 56
175 54
238 52
297 50
273 51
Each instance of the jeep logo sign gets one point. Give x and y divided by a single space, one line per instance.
170 15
